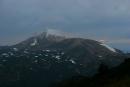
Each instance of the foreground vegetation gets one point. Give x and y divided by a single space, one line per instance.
115 77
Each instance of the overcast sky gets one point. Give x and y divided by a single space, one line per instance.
96 19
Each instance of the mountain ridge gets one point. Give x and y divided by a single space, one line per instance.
54 58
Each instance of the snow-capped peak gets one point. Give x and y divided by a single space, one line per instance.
54 32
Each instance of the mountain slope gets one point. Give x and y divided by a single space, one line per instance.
49 57
115 77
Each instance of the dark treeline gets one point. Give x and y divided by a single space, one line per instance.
115 77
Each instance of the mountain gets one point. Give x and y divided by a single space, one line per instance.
51 57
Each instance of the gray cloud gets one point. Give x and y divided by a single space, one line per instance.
92 18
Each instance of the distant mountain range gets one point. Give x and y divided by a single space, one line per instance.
51 57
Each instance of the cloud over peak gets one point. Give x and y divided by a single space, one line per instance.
95 17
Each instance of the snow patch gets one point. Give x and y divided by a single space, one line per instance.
54 32
4 60
46 55
108 47
72 61
5 54
57 57
15 49
11 53
48 51
62 53
57 33
100 56
34 43
36 56
40 54
26 52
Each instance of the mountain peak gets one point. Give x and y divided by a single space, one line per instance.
56 33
